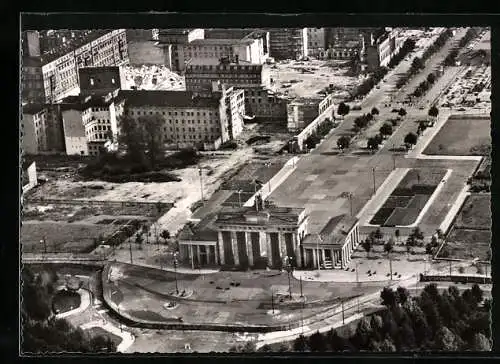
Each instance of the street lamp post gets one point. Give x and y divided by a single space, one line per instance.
272 300
317 250
239 197
373 173
289 269
301 294
175 273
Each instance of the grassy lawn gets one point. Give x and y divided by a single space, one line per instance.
65 301
475 213
62 237
467 244
461 137
404 204
99 331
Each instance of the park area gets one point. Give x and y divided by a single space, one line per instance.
462 136
224 298
408 199
65 300
99 331
470 235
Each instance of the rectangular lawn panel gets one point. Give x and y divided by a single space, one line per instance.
397 201
461 137
475 213
402 217
418 202
99 331
381 215
467 244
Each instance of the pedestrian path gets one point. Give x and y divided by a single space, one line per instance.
127 338
84 304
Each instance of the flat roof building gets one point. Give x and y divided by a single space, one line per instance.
50 75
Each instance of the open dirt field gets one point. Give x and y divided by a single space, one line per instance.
308 78
461 137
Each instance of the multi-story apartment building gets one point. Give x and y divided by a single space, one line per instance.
90 121
260 102
41 129
201 77
185 47
316 41
190 119
288 43
33 129
379 48
49 75
302 111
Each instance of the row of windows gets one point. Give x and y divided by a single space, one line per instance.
95 109
97 128
175 113
216 129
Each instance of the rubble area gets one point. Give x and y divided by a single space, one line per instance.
152 77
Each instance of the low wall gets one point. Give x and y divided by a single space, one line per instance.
275 181
455 278
99 202
311 128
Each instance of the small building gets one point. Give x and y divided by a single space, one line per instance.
334 245
302 111
198 243
29 177
260 235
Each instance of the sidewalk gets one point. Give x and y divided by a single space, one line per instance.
127 338
84 304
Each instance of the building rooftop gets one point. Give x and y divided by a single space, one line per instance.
334 232
33 108
72 44
202 231
270 215
167 98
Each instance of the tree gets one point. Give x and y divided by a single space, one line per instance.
386 129
374 111
266 348
417 64
397 234
480 343
153 137
343 142
422 125
477 293
388 297
300 344
372 144
431 78
433 111
410 139
389 246
402 112
317 342
402 295
446 340
139 239
378 234
417 233
343 109
132 138
367 245
361 122
387 345
429 248
165 235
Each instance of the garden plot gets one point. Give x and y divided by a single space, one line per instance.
461 137
470 236
406 202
